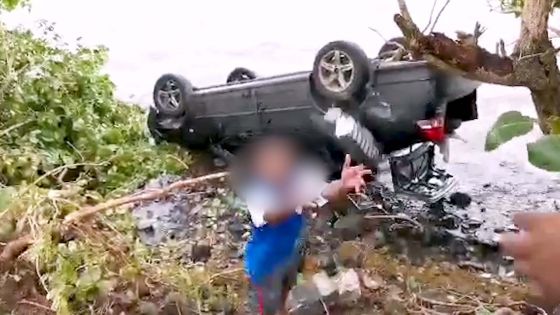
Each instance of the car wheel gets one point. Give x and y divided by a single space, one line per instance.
171 93
340 70
240 74
153 126
391 46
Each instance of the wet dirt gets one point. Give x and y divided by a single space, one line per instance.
21 292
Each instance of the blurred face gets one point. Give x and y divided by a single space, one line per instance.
275 159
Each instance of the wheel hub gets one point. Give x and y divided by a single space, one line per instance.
169 95
336 71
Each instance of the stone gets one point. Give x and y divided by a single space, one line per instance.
175 304
460 200
147 308
472 223
349 289
327 263
505 311
219 163
305 299
449 222
350 254
158 222
326 286
369 282
394 306
201 251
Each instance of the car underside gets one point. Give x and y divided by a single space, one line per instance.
373 109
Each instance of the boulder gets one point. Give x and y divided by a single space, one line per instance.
326 286
349 289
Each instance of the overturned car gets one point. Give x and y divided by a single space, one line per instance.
370 108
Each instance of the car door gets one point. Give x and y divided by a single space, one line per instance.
229 109
284 102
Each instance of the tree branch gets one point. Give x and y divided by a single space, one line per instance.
439 15
464 57
16 247
143 196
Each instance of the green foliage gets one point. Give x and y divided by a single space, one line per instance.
11 4
545 153
65 141
508 126
59 109
516 6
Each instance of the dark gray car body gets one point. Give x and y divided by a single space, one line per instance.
397 96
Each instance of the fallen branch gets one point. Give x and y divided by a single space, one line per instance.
35 304
13 127
16 247
152 194
13 249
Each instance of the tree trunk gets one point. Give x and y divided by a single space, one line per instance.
534 40
533 63
547 104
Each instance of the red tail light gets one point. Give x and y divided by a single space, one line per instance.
432 129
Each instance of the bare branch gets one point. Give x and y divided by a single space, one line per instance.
431 16
501 48
478 31
439 15
379 33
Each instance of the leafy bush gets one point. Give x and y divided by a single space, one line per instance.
58 109
65 142
544 153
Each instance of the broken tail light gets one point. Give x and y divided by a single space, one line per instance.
432 129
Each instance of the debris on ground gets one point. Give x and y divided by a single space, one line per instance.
358 265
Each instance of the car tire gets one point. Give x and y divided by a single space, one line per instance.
240 75
152 123
391 46
171 94
348 62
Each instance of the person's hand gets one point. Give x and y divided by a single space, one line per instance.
352 177
536 250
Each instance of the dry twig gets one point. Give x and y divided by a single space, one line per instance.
15 248
27 302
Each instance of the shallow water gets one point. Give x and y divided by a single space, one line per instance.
204 40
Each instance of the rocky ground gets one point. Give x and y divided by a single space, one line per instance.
398 257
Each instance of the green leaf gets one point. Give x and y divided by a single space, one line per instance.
89 277
545 153
508 126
